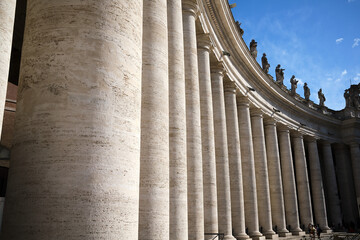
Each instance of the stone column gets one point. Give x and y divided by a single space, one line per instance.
89 92
221 150
332 200
193 124
261 171
287 170
275 179
177 123
346 185
236 181
207 137
302 180
248 169
7 16
317 186
355 163
2 203
154 160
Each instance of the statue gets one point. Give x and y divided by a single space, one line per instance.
253 50
321 98
293 82
240 29
279 73
347 98
265 64
352 96
306 92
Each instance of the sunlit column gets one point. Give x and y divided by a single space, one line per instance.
248 169
332 201
302 180
177 123
288 177
221 150
207 137
7 16
275 178
236 182
73 85
193 124
317 190
261 171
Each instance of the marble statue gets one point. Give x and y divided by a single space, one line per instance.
239 27
293 82
279 73
321 98
265 64
253 49
306 92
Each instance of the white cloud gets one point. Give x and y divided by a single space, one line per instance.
344 73
356 42
356 78
339 40
300 82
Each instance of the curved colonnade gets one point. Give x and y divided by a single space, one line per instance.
159 124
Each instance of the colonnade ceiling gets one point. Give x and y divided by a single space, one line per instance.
252 82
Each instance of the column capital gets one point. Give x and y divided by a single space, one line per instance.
256 112
354 144
270 121
190 6
218 68
204 41
310 139
297 134
243 101
230 86
283 128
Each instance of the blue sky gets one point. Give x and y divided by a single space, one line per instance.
318 41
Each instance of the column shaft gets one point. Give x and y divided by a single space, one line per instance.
355 163
193 124
275 179
302 180
221 150
86 188
287 169
261 171
7 16
317 189
248 169
177 123
207 138
236 182
347 189
332 200
154 160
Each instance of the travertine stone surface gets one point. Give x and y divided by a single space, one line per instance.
154 161
248 168
75 161
317 190
236 182
355 163
302 180
288 177
332 200
177 123
207 138
275 179
193 124
261 171
7 16
221 150
345 176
